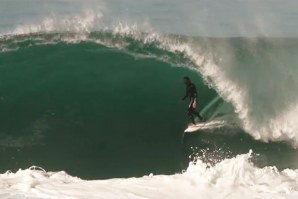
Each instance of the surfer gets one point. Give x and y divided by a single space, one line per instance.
191 92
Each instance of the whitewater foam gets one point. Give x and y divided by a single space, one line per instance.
263 94
231 178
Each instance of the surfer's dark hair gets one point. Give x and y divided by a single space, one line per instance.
187 78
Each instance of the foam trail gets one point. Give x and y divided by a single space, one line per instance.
231 178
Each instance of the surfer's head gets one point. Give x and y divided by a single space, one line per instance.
186 80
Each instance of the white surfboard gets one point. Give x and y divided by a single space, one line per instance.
206 125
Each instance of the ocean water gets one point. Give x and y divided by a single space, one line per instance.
90 99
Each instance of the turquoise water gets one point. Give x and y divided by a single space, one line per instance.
98 108
103 112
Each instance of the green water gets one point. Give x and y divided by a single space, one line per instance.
74 106
100 112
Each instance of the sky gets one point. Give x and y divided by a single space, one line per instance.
187 17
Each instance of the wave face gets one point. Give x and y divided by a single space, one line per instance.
116 96
93 105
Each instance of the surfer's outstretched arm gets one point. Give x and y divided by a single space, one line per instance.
186 93
185 96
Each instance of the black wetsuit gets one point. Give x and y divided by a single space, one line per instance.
191 92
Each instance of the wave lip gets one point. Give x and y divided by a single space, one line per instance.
231 178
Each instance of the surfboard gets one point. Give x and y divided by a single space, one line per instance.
205 125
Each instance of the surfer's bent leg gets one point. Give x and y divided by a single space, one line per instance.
190 115
199 116
192 109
